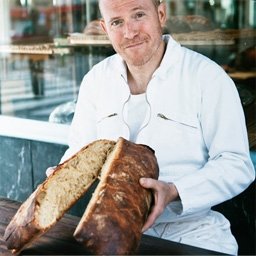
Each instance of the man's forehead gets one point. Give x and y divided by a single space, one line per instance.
113 2
115 5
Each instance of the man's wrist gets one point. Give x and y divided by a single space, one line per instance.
174 192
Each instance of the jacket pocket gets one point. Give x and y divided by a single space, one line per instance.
109 126
178 120
176 137
105 117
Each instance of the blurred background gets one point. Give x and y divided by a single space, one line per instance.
47 46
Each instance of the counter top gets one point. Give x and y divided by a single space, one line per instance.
34 130
59 240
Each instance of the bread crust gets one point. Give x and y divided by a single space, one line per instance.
24 227
114 218
117 211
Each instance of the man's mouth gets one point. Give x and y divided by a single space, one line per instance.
133 45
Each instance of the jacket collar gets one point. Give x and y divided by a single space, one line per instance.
121 67
171 57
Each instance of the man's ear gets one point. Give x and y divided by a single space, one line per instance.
162 13
103 25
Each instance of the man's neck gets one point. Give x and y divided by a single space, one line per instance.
139 76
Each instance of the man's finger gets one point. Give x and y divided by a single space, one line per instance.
148 183
49 171
151 219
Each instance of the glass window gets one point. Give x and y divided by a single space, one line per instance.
40 72
47 46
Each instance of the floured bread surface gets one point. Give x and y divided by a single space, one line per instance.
56 195
114 217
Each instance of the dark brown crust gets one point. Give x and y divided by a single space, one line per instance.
23 228
113 223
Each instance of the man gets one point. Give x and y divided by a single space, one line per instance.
180 103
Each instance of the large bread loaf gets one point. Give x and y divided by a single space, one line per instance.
56 195
115 215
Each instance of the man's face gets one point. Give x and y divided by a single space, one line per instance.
134 28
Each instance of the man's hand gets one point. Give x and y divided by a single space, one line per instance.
164 193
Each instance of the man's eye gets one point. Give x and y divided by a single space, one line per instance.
116 23
139 15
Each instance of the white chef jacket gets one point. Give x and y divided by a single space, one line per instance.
194 122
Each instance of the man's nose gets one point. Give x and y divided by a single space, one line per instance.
130 30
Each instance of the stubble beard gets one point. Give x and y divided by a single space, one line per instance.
142 58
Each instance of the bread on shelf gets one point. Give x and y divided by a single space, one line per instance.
93 34
94 28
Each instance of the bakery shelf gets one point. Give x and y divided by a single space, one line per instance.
212 37
41 49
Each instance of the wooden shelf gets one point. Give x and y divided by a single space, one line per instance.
203 38
242 75
41 49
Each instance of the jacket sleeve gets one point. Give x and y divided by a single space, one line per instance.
83 126
229 169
